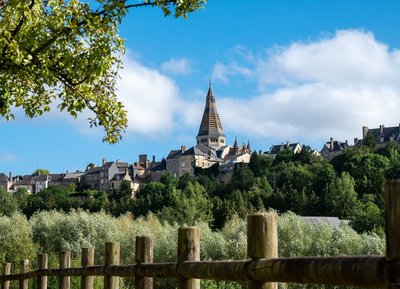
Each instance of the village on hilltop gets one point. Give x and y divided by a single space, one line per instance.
210 149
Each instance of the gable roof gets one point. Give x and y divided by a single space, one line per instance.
335 146
385 133
275 149
3 178
173 154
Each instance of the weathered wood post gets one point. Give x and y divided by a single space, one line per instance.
262 242
24 268
144 255
112 258
392 214
188 250
87 260
6 271
65 262
42 264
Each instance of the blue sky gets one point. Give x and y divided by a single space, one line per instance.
281 70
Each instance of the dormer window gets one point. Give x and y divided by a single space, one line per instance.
381 139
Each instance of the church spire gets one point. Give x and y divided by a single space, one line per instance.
210 131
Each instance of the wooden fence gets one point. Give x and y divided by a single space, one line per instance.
262 270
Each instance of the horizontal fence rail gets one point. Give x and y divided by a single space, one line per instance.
263 270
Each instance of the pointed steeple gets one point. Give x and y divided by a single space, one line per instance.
248 147
210 131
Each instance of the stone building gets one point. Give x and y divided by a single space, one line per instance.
381 135
210 148
333 148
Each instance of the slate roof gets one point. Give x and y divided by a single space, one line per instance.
275 149
26 180
387 133
122 165
210 123
3 178
331 221
173 154
203 150
336 145
158 166
56 177
75 175
121 176
95 170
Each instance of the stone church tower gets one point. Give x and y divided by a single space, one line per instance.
210 132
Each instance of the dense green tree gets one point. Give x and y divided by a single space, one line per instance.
169 180
260 164
40 172
8 205
368 217
305 156
152 197
21 197
16 241
68 52
341 198
189 206
242 178
283 156
369 141
53 197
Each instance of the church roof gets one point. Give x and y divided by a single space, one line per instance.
210 123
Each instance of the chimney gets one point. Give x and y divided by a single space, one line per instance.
104 162
154 158
381 127
331 143
365 131
10 177
183 148
355 140
347 143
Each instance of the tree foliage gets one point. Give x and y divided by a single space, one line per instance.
68 53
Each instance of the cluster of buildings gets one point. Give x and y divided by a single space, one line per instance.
210 149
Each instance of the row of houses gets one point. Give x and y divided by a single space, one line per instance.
380 136
210 149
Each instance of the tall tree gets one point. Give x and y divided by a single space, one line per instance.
68 52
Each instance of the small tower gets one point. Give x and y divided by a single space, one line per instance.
210 132
248 148
236 147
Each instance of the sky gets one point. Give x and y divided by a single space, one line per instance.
281 70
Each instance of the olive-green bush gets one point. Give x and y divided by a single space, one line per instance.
54 231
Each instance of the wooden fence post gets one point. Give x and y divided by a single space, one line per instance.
65 262
42 264
87 260
188 250
6 271
24 268
392 214
262 242
143 255
112 258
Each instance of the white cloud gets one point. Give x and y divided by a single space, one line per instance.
151 98
9 158
222 71
329 87
177 66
